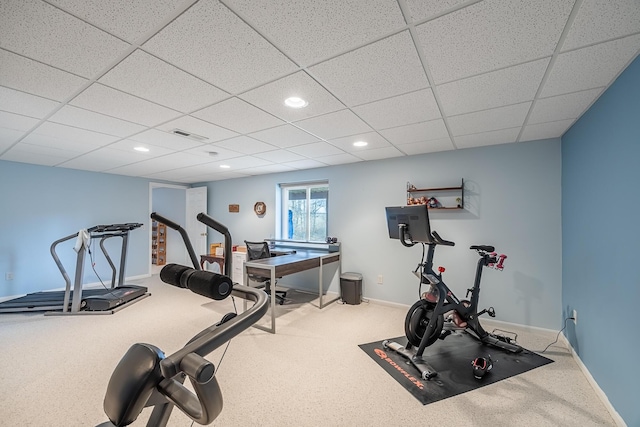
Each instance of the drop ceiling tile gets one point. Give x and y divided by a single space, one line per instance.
417 132
495 119
496 89
420 9
322 29
373 139
334 125
279 156
242 162
105 100
67 138
305 164
570 106
198 127
238 115
422 147
414 107
590 67
33 77
221 153
245 145
262 170
85 119
164 139
546 130
8 137
14 101
601 20
128 145
16 121
188 172
503 136
284 136
379 153
150 78
491 34
386 68
211 42
45 33
271 96
46 156
104 159
129 20
316 149
160 164
339 159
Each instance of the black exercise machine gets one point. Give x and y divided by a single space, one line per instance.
84 301
146 378
425 321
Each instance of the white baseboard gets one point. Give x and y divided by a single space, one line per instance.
603 397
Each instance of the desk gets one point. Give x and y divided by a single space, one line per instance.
280 266
212 259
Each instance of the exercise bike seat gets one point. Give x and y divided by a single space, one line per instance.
132 383
483 248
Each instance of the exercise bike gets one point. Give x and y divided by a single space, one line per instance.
439 312
145 377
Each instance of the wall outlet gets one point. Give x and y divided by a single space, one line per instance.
8 276
380 279
575 316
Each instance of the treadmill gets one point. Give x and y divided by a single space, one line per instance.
84 301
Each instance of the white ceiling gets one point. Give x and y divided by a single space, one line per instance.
83 82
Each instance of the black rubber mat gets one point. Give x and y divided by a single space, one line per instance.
452 358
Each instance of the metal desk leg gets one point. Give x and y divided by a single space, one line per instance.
273 303
320 285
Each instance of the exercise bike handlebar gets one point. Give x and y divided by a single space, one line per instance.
183 233
436 239
222 229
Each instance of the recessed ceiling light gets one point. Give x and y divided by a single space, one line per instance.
141 149
295 102
225 166
360 144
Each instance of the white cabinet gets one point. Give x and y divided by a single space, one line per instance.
237 267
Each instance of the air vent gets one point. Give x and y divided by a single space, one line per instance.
189 135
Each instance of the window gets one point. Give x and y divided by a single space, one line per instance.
304 212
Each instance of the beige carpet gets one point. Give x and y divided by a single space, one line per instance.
311 373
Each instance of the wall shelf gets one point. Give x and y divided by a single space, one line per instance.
437 198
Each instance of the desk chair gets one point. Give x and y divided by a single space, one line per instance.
260 250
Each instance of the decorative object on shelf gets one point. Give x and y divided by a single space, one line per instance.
260 208
234 208
433 203
448 197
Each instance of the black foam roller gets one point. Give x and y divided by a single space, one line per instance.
210 285
171 274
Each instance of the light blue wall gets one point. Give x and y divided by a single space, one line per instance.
600 205
43 204
512 199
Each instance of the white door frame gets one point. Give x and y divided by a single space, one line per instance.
152 186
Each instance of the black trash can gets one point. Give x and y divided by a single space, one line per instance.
351 288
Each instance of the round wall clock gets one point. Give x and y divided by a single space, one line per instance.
260 208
